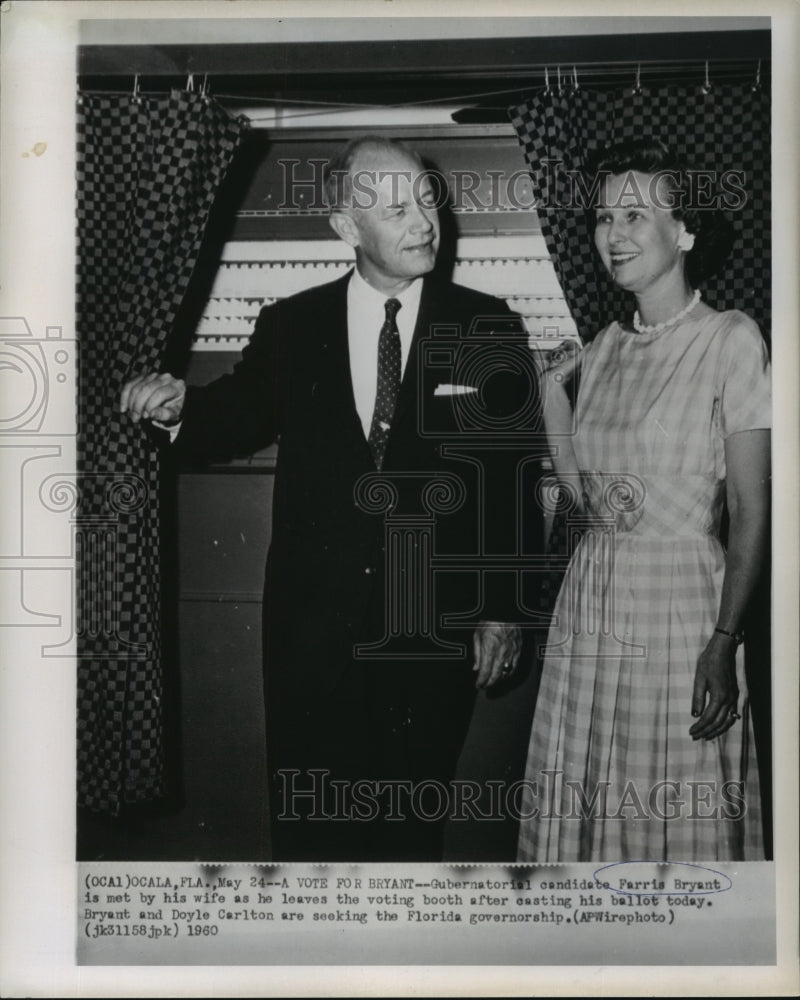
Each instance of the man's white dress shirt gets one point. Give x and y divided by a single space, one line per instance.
366 314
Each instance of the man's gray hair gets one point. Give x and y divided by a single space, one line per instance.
337 175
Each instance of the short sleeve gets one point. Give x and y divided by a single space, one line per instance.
746 392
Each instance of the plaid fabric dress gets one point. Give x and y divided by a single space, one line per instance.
612 773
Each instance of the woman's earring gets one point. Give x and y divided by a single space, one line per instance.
686 241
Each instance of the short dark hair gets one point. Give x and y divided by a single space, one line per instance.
714 234
336 175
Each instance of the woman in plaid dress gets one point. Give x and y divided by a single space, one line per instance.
642 744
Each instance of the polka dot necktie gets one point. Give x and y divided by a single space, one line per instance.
390 362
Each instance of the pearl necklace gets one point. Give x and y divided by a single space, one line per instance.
641 327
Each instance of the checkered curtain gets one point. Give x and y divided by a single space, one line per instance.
726 129
148 171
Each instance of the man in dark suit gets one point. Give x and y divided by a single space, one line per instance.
369 685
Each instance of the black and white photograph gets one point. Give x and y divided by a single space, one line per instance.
399 451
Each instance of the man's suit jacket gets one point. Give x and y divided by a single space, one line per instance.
325 573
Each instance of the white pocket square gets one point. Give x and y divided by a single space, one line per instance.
447 389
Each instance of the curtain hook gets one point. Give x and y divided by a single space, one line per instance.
546 81
559 81
706 88
636 89
204 88
190 84
575 79
757 85
135 96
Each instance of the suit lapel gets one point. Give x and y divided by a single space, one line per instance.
335 356
336 374
410 386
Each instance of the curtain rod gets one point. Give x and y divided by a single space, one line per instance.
596 66
553 76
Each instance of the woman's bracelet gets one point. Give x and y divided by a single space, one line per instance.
738 637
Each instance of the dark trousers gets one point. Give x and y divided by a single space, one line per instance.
364 772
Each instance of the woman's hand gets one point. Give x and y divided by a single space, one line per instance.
558 367
747 494
561 363
716 693
559 420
